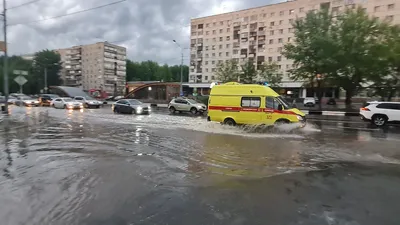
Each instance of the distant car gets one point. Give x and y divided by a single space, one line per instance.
45 99
27 101
66 103
88 102
131 106
381 113
12 100
186 105
309 102
331 101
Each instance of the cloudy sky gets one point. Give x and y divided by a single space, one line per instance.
145 27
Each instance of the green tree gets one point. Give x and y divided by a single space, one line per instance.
345 50
227 71
152 71
15 63
270 73
249 73
42 61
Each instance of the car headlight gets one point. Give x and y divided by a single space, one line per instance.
300 118
80 104
139 108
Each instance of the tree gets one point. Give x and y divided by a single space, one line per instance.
227 71
152 71
45 60
345 51
15 63
249 72
270 73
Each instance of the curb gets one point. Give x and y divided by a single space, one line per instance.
331 113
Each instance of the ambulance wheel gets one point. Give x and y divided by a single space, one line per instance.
229 122
282 121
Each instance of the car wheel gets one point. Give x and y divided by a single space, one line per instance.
133 111
193 111
116 110
229 122
172 110
281 122
379 120
64 106
98 107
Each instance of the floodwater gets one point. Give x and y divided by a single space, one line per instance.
93 167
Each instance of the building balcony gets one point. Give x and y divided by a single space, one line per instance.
261 32
199 59
199 44
110 50
252 55
235 56
243 56
244 30
261 42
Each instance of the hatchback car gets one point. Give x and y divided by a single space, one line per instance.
186 105
309 102
45 99
131 106
66 103
381 113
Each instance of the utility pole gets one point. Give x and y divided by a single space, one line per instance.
181 86
5 66
45 80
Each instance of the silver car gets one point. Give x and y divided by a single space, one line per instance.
88 102
131 106
186 105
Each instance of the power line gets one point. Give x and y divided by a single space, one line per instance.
69 14
23 4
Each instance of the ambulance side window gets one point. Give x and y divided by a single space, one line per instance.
271 103
251 102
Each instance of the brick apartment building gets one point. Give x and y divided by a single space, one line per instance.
260 34
94 66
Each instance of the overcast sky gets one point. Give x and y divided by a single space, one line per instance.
145 27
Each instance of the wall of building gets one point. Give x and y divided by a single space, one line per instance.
260 33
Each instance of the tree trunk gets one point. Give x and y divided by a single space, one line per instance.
349 95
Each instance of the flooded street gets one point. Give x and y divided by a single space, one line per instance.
93 167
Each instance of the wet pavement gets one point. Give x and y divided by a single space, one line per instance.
93 167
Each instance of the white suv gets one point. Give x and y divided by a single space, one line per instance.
381 113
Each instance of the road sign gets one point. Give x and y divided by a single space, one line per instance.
20 80
20 72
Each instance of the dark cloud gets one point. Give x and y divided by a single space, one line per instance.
145 27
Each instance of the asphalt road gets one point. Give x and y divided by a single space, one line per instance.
93 167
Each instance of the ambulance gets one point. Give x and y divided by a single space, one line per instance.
250 104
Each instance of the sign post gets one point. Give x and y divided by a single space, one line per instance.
20 79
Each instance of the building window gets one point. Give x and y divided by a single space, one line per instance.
290 30
213 55
389 18
301 9
213 69
272 24
213 47
207 32
271 41
206 55
235 52
272 14
214 32
228 45
205 77
291 21
221 39
376 9
271 32
228 29
220 46
193 33
207 70
214 24
213 62
281 13
269 59
289 39
279 66
206 48
280 40
212 78
280 22
221 23
227 54
280 31
220 31
207 25
279 58
280 49
214 39
228 38
291 11
391 7
206 63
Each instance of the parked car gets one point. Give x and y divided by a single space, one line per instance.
381 113
309 102
12 100
45 99
186 105
26 101
131 106
88 102
331 101
66 103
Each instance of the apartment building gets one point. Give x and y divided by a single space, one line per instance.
259 34
95 66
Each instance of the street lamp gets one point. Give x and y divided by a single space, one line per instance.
180 88
115 86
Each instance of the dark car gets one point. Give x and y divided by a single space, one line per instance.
131 106
45 99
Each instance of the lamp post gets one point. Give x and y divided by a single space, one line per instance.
319 94
115 86
181 87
